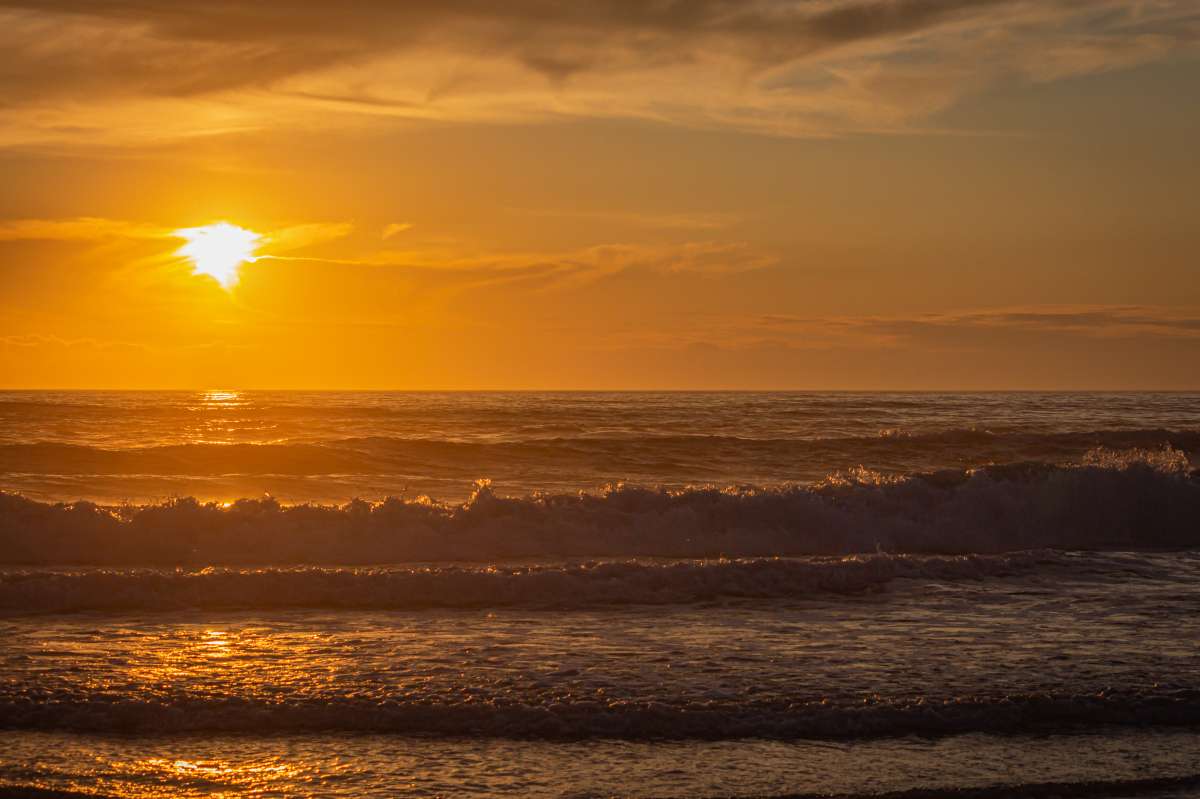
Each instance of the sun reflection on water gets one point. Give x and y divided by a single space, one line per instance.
217 642
203 658
221 416
212 777
221 398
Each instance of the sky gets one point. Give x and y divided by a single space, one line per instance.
700 194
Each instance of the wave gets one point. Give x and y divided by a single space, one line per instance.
667 454
777 718
1086 789
1111 500
562 586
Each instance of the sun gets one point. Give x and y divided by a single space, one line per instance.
218 249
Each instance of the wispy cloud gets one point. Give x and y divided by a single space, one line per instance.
670 221
705 257
394 229
1102 322
391 287
39 341
120 70
695 257
297 237
97 229
78 229
932 332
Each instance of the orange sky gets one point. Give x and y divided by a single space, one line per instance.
702 194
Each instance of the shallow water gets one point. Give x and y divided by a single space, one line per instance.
379 766
1053 667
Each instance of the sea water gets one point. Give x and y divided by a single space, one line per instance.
242 593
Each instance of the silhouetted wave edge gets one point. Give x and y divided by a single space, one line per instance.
1112 500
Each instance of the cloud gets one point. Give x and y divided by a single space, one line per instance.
696 257
116 71
683 221
298 237
966 327
78 229
445 266
1016 329
38 341
395 228
1094 322
391 285
92 229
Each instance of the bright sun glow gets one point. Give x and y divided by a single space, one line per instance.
219 249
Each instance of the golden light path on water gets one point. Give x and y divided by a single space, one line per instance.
248 682
252 776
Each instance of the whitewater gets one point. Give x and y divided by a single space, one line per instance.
572 594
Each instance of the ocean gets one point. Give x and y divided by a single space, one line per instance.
600 594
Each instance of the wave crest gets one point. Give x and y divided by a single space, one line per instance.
1112 500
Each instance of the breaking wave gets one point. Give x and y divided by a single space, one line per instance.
630 719
1136 499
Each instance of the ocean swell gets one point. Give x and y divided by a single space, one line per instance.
1111 500
629 719
381 454
561 586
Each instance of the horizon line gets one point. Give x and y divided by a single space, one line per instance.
542 390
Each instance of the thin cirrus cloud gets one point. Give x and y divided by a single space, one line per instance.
713 257
693 257
78 229
437 272
75 69
966 330
394 229
430 270
92 229
975 326
298 237
1010 330
679 221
